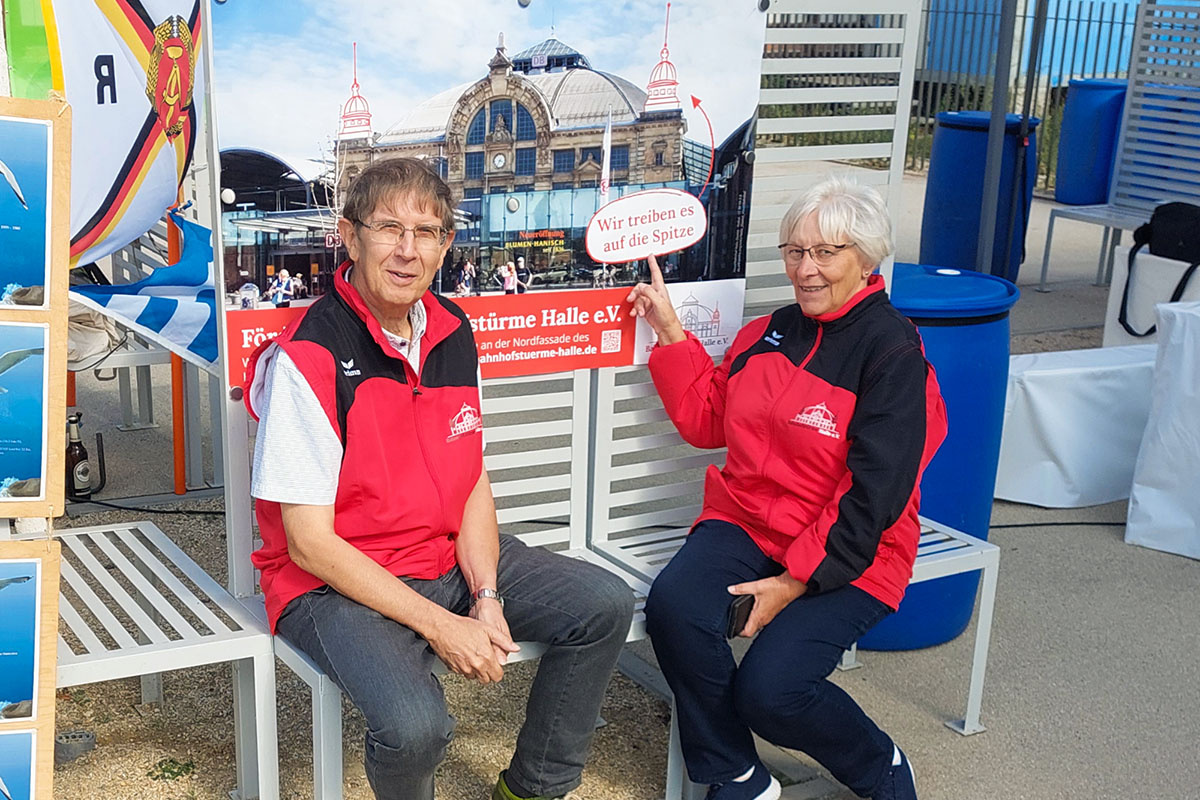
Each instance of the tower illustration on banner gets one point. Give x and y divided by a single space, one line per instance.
356 114
661 91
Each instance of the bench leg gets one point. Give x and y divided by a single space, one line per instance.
679 786
1046 252
256 737
1103 255
849 659
327 740
152 689
1112 255
983 635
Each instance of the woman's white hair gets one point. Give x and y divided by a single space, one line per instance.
846 212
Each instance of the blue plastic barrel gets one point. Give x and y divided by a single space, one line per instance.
954 193
963 320
1087 142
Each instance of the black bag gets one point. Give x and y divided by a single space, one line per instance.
1173 232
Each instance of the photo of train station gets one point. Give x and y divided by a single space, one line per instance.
523 147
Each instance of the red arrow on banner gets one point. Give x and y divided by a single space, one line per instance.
712 150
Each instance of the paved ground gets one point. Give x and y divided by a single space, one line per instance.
1092 685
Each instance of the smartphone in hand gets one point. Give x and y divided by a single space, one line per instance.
739 614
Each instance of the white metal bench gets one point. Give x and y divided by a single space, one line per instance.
620 489
133 604
1158 152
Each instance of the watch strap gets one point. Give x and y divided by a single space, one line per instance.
481 594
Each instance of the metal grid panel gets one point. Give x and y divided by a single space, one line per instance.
837 79
537 436
134 603
1159 150
647 479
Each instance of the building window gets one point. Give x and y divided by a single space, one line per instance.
564 184
501 189
474 166
526 160
658 159
472 192
502 108
592 184
564 160
523 187
526 130
593 153
620 157
478 129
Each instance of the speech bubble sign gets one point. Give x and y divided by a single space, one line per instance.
650 222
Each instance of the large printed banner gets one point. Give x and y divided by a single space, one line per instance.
524 334
709 310
576 143
246 329
527 334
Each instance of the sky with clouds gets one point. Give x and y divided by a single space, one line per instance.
283 67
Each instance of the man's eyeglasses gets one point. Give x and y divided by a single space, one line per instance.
392 233
822 254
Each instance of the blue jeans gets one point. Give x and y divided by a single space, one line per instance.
780 689
387 670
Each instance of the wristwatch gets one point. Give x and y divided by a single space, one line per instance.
487 593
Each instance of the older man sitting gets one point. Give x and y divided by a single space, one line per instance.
380 548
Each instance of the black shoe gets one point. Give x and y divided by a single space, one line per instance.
899 782
761 785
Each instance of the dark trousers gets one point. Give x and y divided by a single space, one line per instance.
582 611
779 690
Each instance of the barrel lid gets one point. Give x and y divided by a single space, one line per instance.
1100 83
939 292
980 120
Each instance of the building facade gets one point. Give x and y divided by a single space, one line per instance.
522 146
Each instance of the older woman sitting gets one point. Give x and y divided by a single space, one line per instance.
830 413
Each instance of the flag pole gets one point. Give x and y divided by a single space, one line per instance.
178 440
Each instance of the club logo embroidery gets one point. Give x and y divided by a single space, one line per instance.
820 419
348 369
467 420
169 76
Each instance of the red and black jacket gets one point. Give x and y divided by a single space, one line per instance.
829 422
411 447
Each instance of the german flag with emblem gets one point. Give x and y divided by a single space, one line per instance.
133 73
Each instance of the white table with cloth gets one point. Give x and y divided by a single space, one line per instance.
1164 506
1073 422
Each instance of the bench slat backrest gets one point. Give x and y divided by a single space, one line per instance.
537 451
646 477
1158 157
835 97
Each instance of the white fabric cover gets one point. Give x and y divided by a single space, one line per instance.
1164 507
1154 279
1073 421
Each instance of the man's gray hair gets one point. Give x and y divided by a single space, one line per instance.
399 178
846 212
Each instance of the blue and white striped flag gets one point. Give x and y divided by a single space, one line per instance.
175 306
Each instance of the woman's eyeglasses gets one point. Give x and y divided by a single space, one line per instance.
822 254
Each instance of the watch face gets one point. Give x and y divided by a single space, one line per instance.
498 160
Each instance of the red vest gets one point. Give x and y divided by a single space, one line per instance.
411 443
